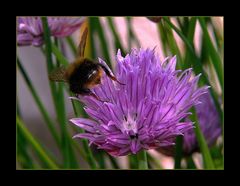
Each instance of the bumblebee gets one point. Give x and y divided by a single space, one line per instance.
83 74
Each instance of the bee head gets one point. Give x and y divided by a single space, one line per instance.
94 76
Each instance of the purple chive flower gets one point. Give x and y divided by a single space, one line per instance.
146 112
30 29
209 123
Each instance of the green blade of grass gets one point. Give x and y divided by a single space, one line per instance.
18 111
78 112
191 29
23 156
77 107
204 57
190 37
117 41
96 28
71 45
216 60
179 21
131 35
133 161
163 37
185 25
217 156
198 69
50 67
178 152
113 162
172 44
169 43
154 161
217 36
142 160
59 55
72 162
67 151
39 103
89 155
92 31
100 159
190 163
207 159
35 144
49 61
197 66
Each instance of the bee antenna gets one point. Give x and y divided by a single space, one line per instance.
110 75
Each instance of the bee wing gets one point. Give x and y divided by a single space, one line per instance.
59 74
82 44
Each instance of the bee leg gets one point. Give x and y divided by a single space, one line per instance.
110 75
90 93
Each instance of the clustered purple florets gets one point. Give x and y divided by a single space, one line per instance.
146 112
209 122
30 29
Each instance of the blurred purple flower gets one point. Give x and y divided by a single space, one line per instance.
146 112
209 123
30 29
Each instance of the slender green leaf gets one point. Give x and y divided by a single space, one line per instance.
190 37
216 60
131 35
36 145
92 28
163 37
59 55
71 45
217 36
133 161
185 25
180 23
191 29
65 136
96 28
23 156
197 66
169 43
117 40
39 103
217 156
73 162
99 156
178 152
58 97
89 154
207 159
142 160
113 162
77 107
154 161
190 163
172 44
